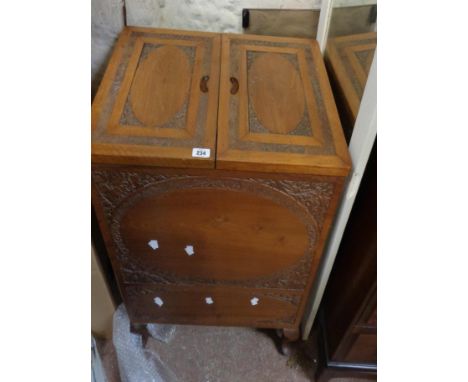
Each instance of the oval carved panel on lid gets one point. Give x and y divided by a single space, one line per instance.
276 93
160 85
234 235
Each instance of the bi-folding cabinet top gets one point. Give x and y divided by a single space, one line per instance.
218 161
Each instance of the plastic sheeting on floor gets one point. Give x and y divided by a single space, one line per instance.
136 363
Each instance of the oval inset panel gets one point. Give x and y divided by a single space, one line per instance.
160 85
276 93
234 234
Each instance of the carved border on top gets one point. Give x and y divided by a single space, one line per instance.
119 190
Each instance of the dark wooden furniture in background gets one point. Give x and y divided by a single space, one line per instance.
216 218
348 313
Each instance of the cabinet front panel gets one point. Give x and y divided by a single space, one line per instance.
211 306
214 234
276 108
158 99
211 227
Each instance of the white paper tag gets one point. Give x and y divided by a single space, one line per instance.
199 152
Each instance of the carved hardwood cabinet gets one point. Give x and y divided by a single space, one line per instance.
218 161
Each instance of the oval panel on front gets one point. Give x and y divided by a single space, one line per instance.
275 89
213 234
160 86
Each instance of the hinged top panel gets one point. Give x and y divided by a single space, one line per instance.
276 111
158 101
350 59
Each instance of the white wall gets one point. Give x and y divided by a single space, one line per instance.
107 20
202 15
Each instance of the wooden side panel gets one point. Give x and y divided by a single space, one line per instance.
277 112
158 99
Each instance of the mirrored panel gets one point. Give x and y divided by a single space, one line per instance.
351 44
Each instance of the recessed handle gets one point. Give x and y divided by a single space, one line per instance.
235 85
204 84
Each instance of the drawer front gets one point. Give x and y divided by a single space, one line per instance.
212 228
212 306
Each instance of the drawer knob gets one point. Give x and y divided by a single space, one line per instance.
189 250
153 244
254 301
158 301
209 300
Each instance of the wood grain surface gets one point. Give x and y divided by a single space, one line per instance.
284 91
234 235
149 107
240 225
160 86
239 234
283 118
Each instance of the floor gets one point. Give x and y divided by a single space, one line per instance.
225 354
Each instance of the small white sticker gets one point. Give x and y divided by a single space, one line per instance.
189 250
153 244
158 301
199 152
209 300
254 301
